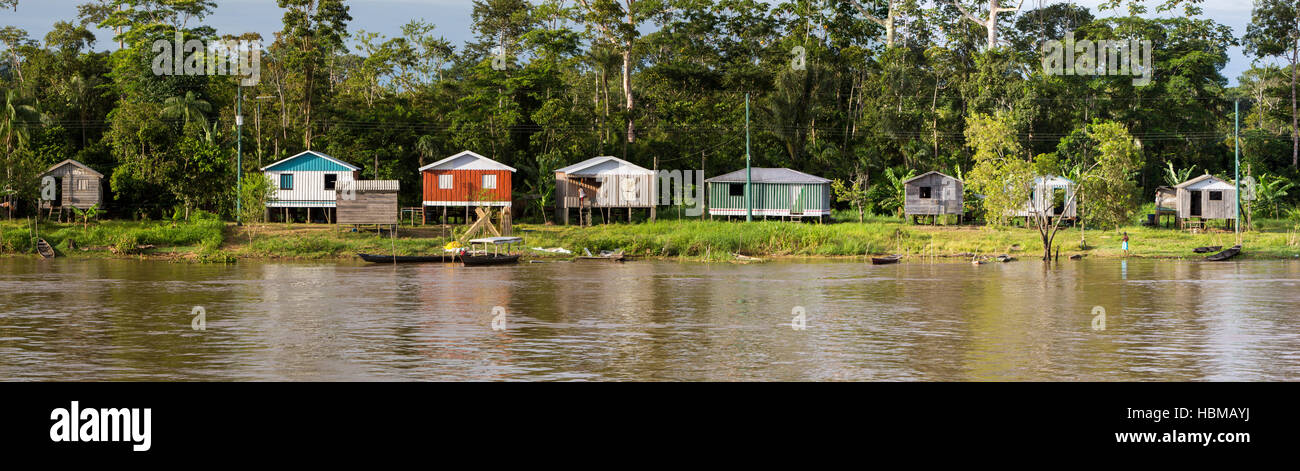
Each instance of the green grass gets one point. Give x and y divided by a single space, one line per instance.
202 236
716 240
335 244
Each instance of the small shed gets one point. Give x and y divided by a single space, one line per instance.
1053 196
1206 197
602 183
933 194
1166 204
466 180
308 180
368 202
780 192
76 186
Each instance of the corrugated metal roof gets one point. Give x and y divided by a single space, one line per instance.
371 185
605 165
926 174
311 161
769 175
73 163
1198 182
467 161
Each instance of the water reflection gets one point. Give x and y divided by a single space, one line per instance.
1166 320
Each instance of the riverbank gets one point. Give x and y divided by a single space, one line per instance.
210 240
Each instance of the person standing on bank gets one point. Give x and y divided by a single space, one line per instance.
1125 241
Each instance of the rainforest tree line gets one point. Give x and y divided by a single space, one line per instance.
862 91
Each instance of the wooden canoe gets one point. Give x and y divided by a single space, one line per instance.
611 258
1212 248
447 258
886 260
1225 255
43 248
486 260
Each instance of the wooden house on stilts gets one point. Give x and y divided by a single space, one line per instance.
1203 199
777 192
602 184
75 186
308 182
932 194
456 184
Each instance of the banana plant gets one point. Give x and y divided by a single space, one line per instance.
1269 192
1175 176
87 214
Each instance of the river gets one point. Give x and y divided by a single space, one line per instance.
1164 320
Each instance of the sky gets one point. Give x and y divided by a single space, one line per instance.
452 18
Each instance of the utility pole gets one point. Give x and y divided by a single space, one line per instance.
239 155
749 194
1236 165
257 120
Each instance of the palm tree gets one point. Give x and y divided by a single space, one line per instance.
16 119
80 94
189 107
426 145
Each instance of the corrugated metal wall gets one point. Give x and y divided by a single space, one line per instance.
467 186
773 199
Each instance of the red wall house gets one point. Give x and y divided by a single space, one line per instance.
467 179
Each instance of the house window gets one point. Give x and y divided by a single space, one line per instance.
736 189
286 181
81 185
331 180
489 182
925 192
1216 196
444 182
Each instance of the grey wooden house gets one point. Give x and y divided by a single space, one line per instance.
76 186
932 194
602 183
1205 198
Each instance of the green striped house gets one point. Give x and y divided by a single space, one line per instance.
778 192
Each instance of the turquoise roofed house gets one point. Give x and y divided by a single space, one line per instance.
778 192
307 181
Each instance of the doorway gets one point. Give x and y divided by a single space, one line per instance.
1196 204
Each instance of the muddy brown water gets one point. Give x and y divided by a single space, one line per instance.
1165 320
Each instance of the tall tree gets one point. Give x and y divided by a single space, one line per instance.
990 20
619 23
1274 31
314 30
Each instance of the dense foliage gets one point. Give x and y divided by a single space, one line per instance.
863 92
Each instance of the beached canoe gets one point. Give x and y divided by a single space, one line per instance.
448 258
1212 248
44 248
1225 255
489 259
886 260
